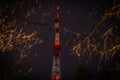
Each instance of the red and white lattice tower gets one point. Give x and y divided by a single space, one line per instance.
56 72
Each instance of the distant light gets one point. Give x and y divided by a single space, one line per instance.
57 78
58 8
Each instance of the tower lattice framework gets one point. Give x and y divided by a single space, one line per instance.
56 70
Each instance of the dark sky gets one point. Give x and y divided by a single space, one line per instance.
74 16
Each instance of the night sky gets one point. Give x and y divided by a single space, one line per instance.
27 38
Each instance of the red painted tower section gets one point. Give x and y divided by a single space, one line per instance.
56 72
